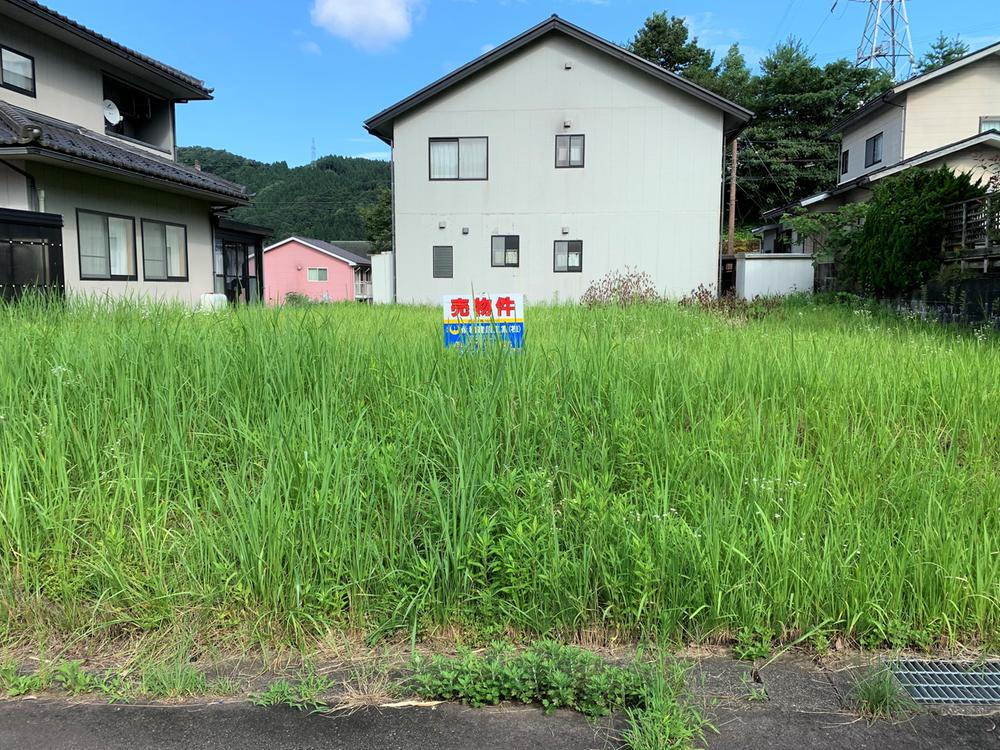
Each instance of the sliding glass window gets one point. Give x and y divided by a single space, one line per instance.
164 251
458 158
107 246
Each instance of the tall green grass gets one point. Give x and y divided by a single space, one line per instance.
651 471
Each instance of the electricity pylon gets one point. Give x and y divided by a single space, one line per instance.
886 42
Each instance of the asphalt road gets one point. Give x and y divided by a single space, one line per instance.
37 725
56 725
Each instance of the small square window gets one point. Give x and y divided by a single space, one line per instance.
317 274
567 256
569 151
17 71
506 251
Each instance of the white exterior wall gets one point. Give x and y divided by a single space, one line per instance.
13 188
976 161
66 191
69 85
649 195
383 286
890 122
948 109
759 275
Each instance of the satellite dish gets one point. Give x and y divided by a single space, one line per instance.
111 113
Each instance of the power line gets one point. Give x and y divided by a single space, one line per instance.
768 170
784 17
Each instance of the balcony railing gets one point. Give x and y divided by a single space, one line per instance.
362 289
974 226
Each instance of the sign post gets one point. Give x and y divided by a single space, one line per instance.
475 321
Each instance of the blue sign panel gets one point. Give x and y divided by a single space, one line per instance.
484 320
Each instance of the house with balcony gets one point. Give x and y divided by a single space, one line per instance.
318 270
946 117
92 198
550 161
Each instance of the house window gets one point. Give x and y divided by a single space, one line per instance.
317 274
107 246
567 256
569 150
459 158
164 251
17 71
873 150
443 263
989 123
506 251
845 162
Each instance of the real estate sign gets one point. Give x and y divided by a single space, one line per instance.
474 320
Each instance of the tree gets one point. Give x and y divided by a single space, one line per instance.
787 154
322 199
943 51
377 218
733 79
833 233
899 247
665 41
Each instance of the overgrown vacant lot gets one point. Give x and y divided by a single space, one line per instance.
654 471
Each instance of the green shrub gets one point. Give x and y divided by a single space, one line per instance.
899 247
547 673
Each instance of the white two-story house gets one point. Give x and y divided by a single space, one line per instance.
92 199
550 161
947 117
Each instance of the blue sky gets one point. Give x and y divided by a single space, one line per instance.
290 71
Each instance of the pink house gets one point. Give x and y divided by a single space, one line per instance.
322 271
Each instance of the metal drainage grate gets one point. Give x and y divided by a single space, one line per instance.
950 682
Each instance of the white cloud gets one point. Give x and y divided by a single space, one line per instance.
718 37
381 155
369 24
487 48
310 48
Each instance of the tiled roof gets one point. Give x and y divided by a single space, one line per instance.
20 128
51 15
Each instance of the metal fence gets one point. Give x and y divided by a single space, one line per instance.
29 264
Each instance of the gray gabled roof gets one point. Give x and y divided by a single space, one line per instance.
339 249
990 138
380 125
44 13
890 95
23 132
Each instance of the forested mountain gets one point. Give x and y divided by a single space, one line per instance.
318 200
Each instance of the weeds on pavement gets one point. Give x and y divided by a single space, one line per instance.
877 695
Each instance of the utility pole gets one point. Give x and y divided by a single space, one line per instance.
731 244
